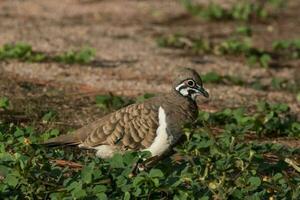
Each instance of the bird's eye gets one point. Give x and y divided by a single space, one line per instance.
191 83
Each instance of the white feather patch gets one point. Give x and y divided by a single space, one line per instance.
105 151
183 91
162 141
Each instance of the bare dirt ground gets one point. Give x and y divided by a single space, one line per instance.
129 62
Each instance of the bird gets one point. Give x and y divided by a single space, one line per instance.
154 125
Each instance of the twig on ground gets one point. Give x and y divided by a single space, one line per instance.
67 163
293 164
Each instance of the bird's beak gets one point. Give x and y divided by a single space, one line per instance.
202 91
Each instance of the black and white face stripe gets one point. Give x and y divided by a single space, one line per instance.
187 89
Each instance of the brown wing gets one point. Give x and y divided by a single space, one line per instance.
133 127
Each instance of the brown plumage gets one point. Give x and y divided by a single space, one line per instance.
135 127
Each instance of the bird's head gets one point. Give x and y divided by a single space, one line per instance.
189 84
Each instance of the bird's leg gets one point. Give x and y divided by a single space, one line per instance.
144 164
135 168
151 162
148 163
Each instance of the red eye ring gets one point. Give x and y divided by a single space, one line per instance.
191 83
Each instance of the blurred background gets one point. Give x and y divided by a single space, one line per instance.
72 55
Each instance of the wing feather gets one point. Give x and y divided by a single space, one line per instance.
133 127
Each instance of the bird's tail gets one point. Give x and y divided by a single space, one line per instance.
64 140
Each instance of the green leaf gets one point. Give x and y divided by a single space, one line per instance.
211 77
204 198
4 170
19 132
155 182
102 196
254 182
117 161
4 102
142 98
78 193
252 59
137 193
277 176
76 190
37 57
244 30
87 173
50 134
100 188
11 180
265 60
156 173
6 157
138 180
126 196
111 101
129 158
48 116
181 196
83 56
74 185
